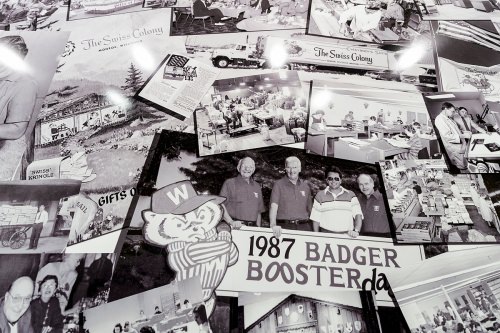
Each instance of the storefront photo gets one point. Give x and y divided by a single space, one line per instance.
443 294
429 205
251 112
223 16
368 124
468 129
384 22
305 312
31 220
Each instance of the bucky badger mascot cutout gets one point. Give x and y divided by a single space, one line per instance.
189 226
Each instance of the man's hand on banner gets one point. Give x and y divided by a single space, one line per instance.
236 224
353 233
276 231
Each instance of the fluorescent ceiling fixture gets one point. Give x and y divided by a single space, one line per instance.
440 96
385 91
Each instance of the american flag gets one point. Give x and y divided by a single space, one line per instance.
177 61
467 32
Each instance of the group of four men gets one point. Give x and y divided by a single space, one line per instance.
334 209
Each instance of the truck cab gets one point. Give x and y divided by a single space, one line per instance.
242 55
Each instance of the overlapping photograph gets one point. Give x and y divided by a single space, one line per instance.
87 9
476 69
385 22
27 69
228 211
429 205
178 85
317 57
217 17
35 216
458 10
32 15
369 122
467 126
90 127
254 111
308 312
176 307
47 292
443 294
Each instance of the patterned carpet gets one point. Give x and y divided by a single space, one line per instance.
183 26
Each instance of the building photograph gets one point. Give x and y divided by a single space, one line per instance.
31 220
306 312
443 294
376 21
429 205
254 111
367 123
222 16
467 126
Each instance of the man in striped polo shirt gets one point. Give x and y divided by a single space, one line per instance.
336 209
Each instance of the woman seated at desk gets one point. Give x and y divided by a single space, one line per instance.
413 133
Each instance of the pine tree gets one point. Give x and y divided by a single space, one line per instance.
134 80
133 83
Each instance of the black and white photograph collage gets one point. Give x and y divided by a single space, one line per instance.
261 166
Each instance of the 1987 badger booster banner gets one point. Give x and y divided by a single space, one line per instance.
302 261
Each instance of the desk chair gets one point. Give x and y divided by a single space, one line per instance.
202 18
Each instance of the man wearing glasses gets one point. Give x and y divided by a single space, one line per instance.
15 316
336 209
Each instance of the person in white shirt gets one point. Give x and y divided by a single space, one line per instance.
41 219
465 122
452 136
335 208
363 18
